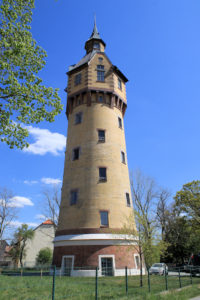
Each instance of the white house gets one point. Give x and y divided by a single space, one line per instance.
43 237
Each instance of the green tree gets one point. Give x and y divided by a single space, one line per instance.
24 98
44 256
18 246
182 237
187 201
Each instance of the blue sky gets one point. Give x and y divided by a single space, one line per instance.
156 44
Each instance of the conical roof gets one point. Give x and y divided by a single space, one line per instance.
95 33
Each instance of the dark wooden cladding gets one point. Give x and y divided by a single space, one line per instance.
78 99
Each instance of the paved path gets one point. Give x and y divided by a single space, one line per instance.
195 298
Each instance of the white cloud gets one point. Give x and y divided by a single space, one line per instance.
18 224
45 141
30 182
47 180
40 217
18 201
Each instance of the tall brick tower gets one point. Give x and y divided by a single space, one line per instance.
96 196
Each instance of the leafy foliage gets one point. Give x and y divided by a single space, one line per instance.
24 98
182 224
187 200
44 256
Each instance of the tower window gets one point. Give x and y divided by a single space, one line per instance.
77 79
73 197
96 46
100 59
101 135
128 202
104 218
120 122
76 153
123 157
78 118
102 174
119 84
100 73
101 99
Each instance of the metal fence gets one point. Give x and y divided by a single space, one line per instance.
47 282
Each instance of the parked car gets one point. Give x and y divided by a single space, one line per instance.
158 268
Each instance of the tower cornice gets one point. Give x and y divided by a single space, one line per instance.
120 104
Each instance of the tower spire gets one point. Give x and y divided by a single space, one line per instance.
95 33
95 42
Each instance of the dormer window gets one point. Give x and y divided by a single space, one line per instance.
96 45
100 73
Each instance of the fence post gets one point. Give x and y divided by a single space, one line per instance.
149 284
53 286
190 275
96 285
166 279
126 279
41 273
179 275
21 272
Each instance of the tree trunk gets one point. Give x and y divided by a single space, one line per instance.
21 254
140 253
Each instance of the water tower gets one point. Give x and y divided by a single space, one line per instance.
96 196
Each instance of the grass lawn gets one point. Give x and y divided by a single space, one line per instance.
79 288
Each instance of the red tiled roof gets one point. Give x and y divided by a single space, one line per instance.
48 222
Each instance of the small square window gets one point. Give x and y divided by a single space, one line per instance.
76 153
77 79
100 59
104 218
101 135
120 122
73 197
96 45
119 84
128 202
123 157
102 174
78 118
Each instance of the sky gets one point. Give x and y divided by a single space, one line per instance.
156 44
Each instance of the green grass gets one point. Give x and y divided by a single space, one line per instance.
79 288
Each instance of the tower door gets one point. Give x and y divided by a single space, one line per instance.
67 265
107 266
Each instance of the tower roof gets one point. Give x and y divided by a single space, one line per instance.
95 37
95 34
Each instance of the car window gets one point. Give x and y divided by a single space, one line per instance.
157 265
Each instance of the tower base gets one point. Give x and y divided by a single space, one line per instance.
80 255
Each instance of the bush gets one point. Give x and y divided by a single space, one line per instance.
44 257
